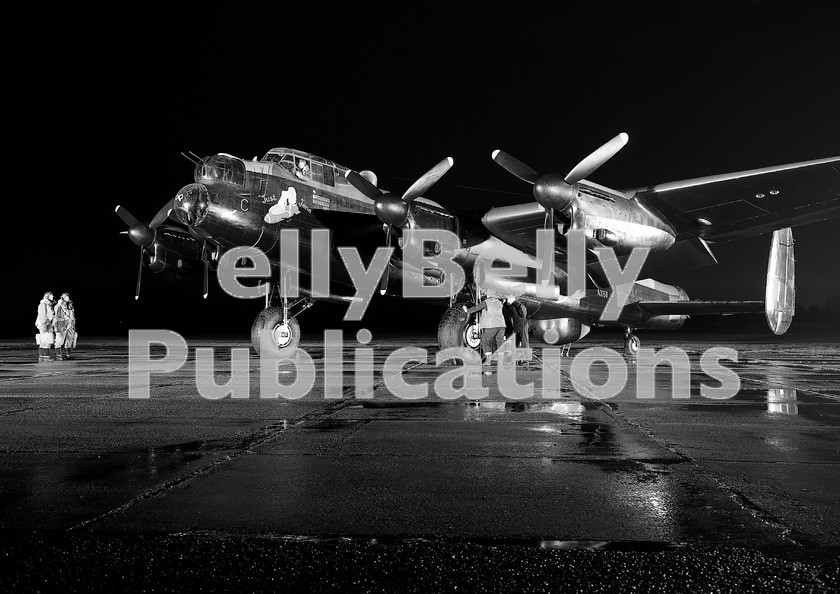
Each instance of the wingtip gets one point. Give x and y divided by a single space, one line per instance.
117 209
451 161
624 137
495 154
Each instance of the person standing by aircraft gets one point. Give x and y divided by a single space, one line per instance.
519 321
491 323
65 327
44 324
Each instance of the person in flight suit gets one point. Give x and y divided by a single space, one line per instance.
44 324
491 323
64 324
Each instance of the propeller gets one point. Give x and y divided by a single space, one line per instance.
206 262
143 235
139 276
163 214
553 191
393 209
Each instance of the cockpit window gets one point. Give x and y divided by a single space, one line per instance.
287 161
306 167
221 168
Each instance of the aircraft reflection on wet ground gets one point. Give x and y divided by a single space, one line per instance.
759 470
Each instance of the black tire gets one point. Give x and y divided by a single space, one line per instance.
631 345
452 329
265 331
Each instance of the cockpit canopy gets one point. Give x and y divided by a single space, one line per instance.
222 168
307 166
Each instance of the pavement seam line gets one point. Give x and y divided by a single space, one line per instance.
271 432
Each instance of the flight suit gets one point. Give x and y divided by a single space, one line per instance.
62 323
44 323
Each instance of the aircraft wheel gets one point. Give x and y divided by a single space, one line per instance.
457 329
271 337
632 344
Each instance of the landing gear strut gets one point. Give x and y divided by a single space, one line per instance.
275 332
631 342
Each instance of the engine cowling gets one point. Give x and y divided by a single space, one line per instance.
174 253
559 330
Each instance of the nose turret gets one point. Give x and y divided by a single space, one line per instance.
191 204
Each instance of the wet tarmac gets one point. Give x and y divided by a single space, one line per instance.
367 490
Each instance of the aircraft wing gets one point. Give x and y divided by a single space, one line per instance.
746 203
692 308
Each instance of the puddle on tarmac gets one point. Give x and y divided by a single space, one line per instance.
401 404
572 409
333 424
128 468
784 401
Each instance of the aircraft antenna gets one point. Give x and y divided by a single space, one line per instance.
189 158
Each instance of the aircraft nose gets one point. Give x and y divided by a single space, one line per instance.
191 204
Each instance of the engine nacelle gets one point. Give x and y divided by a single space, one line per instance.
174 252
559 330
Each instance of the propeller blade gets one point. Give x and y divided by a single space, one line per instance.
139 276
383 282
428 179
206 269
597 158
162 215
363 185
515 166
129 219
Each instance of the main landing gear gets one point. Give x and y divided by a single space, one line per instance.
457 329
275 332
631 342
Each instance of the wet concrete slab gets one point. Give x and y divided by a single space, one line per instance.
435 496
758 469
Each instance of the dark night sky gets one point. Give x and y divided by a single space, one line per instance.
100 104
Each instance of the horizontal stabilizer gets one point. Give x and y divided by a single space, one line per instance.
695 308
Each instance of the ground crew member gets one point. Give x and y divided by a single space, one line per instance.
519 321
491 323
44 324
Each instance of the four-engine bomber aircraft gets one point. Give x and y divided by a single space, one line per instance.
234 202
